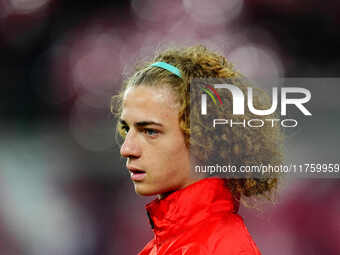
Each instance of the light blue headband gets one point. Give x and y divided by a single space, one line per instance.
168 67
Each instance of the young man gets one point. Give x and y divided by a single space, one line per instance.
193 213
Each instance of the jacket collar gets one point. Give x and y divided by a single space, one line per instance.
190 205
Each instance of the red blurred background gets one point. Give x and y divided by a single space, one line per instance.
63 186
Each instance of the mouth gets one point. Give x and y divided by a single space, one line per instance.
136 174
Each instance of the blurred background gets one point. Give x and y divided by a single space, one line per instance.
63 186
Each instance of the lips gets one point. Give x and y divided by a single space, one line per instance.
135 170
136 174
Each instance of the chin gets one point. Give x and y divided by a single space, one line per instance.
142 190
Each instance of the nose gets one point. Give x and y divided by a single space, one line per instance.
130 147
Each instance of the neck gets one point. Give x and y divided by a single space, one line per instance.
165 194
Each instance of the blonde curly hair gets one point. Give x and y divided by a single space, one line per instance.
246 146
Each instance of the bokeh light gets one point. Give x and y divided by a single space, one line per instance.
27 6
91 128
94 59
213 12
160 12
256 63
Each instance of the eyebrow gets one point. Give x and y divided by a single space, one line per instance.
141 123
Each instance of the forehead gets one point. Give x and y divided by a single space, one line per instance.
146 102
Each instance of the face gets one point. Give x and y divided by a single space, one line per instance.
154 146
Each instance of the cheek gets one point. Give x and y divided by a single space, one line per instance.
170 155
180 143
178 151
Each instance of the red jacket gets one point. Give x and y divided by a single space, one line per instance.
200 219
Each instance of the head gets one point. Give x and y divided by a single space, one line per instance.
154 110
154 143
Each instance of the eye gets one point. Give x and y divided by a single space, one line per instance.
124 129
151 132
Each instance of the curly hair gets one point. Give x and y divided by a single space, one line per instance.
246 146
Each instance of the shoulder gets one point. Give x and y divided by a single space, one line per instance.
218 235
230 234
